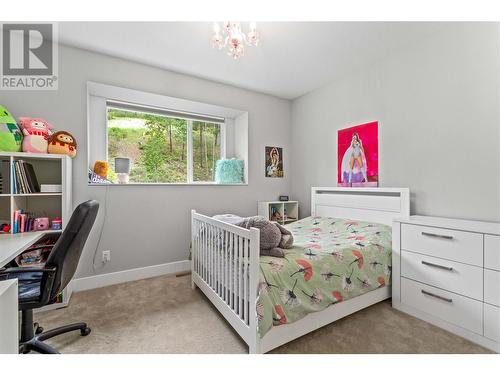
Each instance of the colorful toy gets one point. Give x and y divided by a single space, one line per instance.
101 168
36 134
57 224
5 228
10 136
41 223
62 142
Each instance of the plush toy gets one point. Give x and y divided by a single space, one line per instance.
273 236
62 142
229 171
101 168
36 134
10 136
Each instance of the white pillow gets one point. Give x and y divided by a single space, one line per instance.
229 218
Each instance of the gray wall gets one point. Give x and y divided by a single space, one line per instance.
148 225
438 107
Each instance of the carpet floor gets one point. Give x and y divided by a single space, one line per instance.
163 315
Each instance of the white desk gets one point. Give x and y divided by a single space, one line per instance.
9 331
11 245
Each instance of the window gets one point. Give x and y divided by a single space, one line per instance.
164 146
168 140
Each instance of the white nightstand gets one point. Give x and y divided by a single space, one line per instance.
282 212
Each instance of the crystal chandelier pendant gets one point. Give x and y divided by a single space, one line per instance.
232 38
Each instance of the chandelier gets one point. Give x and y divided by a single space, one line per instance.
233 38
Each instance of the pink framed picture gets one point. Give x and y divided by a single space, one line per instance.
358 155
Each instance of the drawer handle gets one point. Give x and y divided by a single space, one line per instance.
443 236
437 266
449 300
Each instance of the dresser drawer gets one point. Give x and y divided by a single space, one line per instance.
464 247
453 308
492 287
492 322
492 252
445 274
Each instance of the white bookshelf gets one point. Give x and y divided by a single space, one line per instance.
288 210
49 169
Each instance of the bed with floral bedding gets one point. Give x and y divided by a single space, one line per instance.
332 260
337 266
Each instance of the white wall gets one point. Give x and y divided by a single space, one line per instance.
438 106
149 225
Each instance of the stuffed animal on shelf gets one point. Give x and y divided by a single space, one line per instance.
10 135
101 168
62 142
36 134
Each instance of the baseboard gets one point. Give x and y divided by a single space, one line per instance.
99 281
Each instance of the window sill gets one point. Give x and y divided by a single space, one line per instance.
170 184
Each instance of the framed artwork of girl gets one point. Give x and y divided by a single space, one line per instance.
358 155
274 161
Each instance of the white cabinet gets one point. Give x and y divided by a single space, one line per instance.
282 212
9 328
447 272
50 169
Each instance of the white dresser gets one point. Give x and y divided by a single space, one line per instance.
447 272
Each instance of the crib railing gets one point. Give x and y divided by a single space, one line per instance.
225 266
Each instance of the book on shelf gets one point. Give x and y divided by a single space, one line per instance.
4 177
23 222
24 178
50 188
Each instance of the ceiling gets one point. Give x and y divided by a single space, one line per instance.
292 59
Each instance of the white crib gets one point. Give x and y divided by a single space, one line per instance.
225 266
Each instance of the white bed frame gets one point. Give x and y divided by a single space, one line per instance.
230 278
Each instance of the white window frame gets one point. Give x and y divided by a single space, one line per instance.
98 96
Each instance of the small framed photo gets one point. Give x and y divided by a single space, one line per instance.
284 198
274 161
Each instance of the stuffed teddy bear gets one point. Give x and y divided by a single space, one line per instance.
62 142
36 134
273 236
10 135
101 168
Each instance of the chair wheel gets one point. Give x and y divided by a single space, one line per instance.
38 330
86 331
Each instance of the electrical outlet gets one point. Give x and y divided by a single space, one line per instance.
106 256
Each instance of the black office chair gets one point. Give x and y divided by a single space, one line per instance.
40 286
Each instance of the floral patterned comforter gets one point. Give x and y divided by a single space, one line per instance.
333 260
